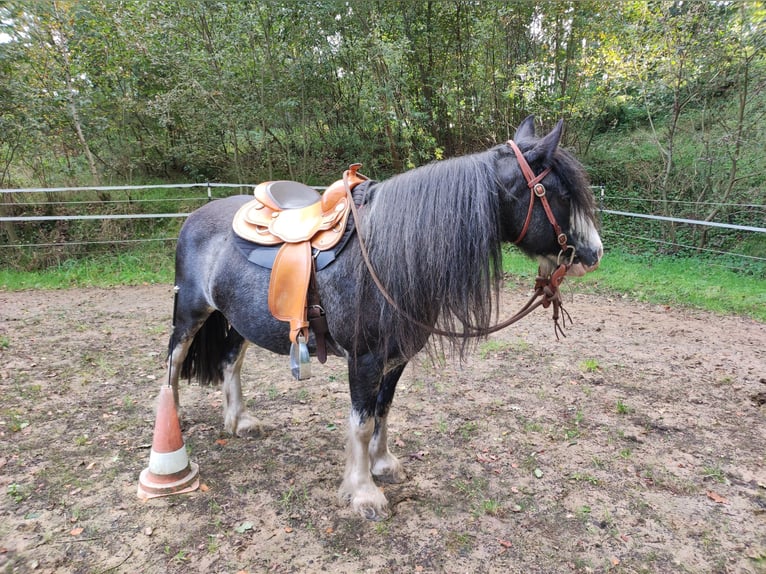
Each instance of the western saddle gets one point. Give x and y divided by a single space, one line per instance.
303 222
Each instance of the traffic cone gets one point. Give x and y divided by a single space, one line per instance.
169 471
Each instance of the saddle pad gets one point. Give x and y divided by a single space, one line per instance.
264 255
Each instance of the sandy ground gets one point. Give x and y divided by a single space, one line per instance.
636 444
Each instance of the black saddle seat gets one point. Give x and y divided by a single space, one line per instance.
291 194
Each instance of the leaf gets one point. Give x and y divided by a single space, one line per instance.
221 442
76 531
505 543
244 527
717 498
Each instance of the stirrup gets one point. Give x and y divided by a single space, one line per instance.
299 358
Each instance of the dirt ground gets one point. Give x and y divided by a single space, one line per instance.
636 444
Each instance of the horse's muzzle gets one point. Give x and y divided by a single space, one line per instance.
586 261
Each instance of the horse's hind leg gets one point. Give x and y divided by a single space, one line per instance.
178 352
384 465
237 420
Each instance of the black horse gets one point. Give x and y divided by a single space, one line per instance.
433 236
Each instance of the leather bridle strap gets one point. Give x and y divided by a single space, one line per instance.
537 189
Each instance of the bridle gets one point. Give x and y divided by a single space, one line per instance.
546 287
537 189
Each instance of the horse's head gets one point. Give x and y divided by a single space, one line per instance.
528 221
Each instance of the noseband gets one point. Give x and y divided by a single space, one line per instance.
537 189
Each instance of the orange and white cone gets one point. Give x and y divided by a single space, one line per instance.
169 471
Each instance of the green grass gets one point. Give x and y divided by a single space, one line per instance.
665 280
104 270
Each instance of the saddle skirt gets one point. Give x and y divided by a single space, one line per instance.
299 220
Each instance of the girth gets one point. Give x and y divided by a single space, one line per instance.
301 225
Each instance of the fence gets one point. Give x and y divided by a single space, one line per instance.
211 191
612 229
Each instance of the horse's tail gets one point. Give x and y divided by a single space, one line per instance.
206 353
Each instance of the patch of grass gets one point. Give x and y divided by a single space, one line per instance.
103 270
598 463
574 431
531 426
16 492
714 473
622 408
493 347
590 366
293 499
584 477
460 542
583 513
664 280
473 488
16 420
467 429
212 544
491 506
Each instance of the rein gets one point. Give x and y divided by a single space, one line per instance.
546 291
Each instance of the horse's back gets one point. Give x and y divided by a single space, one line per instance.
213 217
204 238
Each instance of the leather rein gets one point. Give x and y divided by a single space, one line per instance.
546 291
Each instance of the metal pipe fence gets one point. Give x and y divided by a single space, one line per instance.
209 194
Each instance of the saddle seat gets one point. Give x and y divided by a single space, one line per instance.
300 219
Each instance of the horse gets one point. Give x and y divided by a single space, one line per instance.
433 237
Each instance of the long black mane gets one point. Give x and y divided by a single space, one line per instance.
434 239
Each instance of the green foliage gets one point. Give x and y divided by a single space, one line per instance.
664 103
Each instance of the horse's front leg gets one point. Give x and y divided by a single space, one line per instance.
236 419
358 488
385 466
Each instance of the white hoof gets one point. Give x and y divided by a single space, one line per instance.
245 425
389 470
367 501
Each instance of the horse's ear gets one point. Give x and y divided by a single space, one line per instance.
526 129
546 147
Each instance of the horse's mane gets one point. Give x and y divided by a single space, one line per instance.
433 236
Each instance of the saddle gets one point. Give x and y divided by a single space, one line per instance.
304 223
